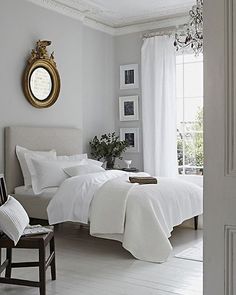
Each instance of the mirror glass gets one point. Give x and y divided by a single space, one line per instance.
41 83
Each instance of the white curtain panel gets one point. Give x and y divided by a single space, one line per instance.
159 106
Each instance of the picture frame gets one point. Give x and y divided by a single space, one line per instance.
132 136
128 108
129 76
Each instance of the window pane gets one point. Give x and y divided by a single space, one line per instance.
181 170
189 93
193 149
179 81
193 80
180 115
193 171
193 114
179 59
193 58
180 149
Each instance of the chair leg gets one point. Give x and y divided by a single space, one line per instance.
53 263
0 256
9 258
42 270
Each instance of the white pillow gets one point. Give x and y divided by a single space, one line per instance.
13 219
77 157
21 151
47 173
83 169
94 162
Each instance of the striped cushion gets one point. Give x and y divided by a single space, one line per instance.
13 219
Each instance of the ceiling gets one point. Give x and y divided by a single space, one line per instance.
121 13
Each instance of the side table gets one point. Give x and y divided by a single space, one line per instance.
132 169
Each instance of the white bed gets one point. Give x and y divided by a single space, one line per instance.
141 217
67 141
35 205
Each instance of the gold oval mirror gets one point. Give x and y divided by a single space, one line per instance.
41 81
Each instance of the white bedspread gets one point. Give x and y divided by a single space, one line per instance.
73 198
140 216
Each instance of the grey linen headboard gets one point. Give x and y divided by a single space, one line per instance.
66 141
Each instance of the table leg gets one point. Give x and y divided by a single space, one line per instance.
196 222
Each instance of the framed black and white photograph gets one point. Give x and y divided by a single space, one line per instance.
128 108
131 135
129 76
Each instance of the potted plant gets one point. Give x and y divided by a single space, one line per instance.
108 147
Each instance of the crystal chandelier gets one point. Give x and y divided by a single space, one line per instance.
193 36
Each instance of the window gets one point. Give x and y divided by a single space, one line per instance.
189 89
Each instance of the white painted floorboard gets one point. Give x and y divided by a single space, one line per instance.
92 266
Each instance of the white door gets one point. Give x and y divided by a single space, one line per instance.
220 147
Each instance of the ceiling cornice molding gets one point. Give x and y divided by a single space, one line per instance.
98 26
62 9
159 24
126 29
73 13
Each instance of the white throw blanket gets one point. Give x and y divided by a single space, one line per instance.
109 207
140 216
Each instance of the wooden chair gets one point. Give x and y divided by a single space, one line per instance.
39 242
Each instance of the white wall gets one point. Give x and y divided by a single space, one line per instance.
98 84
128 51
85 63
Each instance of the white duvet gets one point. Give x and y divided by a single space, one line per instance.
140 216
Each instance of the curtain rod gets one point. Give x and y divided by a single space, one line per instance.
154 34
163 33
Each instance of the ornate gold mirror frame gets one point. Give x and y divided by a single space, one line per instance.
41 82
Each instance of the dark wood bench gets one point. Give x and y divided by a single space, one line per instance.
39 242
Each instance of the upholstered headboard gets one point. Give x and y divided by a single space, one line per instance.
66 141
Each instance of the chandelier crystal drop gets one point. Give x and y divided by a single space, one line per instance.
192 36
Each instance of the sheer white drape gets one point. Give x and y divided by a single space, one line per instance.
159 106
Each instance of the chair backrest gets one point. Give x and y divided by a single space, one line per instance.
3 190
3 195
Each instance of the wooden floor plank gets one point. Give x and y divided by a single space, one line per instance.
92 266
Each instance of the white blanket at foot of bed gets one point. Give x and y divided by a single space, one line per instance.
140 216
143 216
